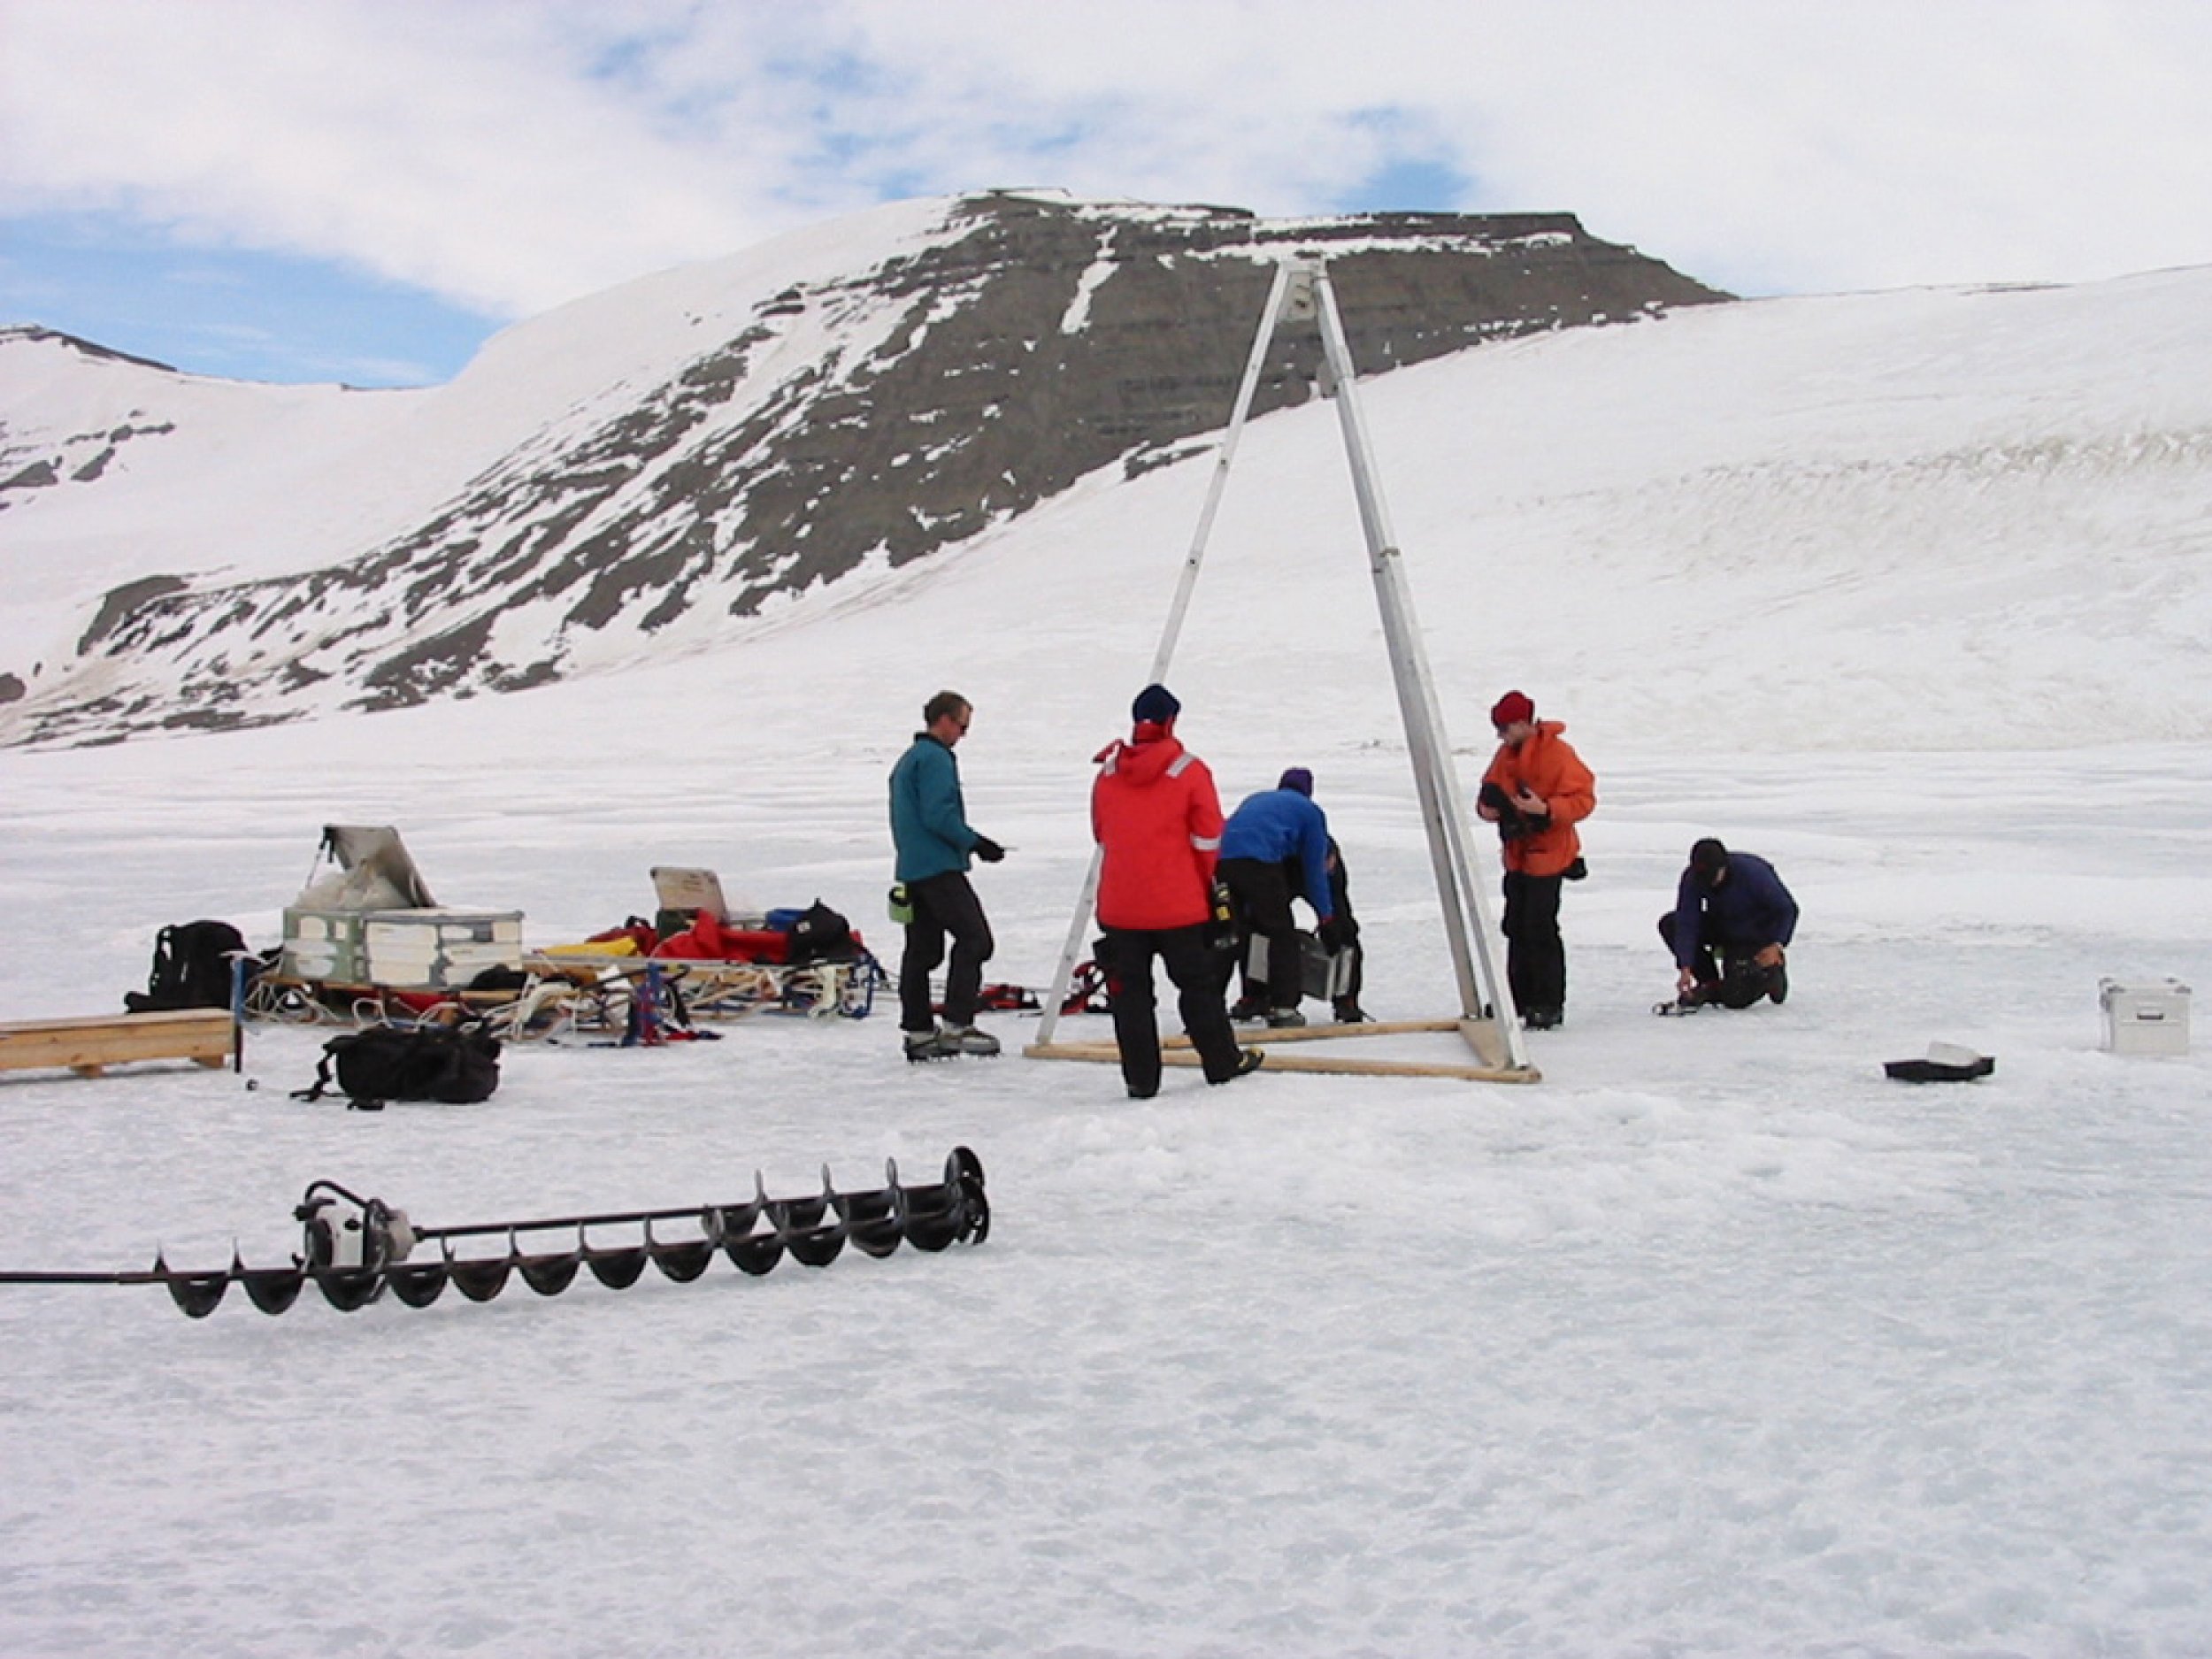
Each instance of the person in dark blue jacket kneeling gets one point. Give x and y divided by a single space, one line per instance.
1269 834
1732 919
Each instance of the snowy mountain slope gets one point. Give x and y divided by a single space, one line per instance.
636 474
1927 520
1935 520
1931 519
251 481
114 470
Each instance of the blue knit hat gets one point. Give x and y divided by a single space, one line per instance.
1299 779
1155 705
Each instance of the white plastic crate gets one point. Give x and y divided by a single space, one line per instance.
2151 1018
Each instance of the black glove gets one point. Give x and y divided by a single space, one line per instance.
1335 933
988 850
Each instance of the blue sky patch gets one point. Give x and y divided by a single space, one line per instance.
227 312
1411 186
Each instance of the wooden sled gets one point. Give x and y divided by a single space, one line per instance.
1481 1035
716 990
89 1045
572 992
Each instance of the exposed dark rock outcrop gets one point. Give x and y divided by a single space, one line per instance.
121 601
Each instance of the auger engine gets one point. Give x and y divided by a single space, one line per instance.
349 1233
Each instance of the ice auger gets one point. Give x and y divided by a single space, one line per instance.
356 1249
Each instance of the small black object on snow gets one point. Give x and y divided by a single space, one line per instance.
1946 1063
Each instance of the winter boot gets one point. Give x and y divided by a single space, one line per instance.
927 1045
1246 1009
967 1040
1248 1060
1349 1012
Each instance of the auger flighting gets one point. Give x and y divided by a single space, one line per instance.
355 1248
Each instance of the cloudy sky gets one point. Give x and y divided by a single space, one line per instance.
363 190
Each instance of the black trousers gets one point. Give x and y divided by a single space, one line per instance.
945 906
1200 973
1348 991
1261 892
1340 907
1535 956
1705 964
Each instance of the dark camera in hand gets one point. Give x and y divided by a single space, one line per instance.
1513 825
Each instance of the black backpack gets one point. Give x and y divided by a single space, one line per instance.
820 934
380 1063
191 968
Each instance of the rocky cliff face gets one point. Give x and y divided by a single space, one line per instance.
848 424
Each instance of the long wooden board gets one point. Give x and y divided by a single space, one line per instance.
89 1045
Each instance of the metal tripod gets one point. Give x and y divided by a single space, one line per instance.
1301 293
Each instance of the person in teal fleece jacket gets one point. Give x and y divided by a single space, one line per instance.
932 840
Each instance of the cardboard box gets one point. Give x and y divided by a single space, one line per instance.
2151 1018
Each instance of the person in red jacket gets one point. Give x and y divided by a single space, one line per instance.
1156 815
1536 791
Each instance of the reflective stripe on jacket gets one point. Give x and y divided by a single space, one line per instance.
1155 812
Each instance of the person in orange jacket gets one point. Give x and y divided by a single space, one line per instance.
1155 814
1536 791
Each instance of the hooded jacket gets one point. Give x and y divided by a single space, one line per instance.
1552 770
1155 811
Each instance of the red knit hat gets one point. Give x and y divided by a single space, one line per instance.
1511 707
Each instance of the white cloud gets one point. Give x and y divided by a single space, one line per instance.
510 156
467 149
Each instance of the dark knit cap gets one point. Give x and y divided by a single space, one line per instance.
1155 705
1297 777
1708 858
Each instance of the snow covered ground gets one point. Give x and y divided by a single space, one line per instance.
1716 1343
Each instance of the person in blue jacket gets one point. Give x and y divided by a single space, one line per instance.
933 840
1732 919
1268 835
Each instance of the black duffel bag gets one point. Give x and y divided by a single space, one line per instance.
387 1063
